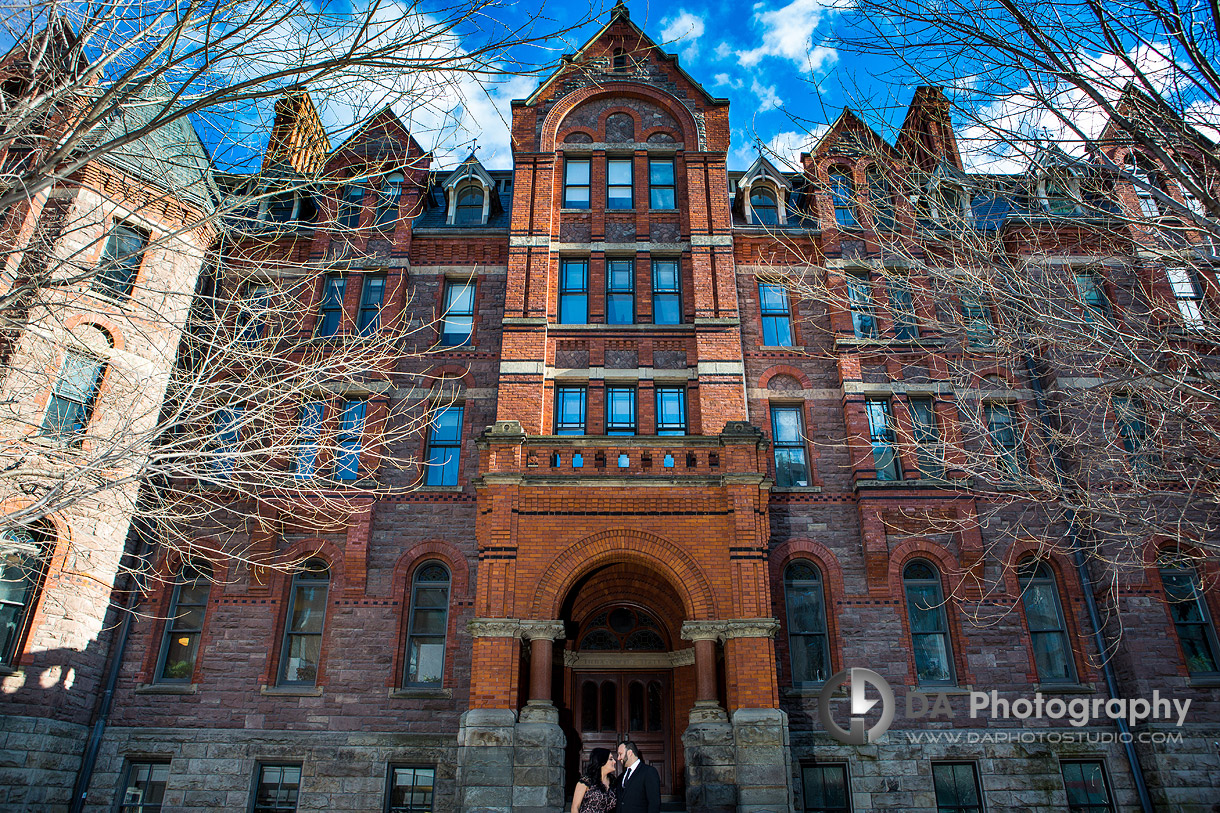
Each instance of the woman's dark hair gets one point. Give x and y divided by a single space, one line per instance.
598 758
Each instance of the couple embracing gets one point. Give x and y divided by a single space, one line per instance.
601 790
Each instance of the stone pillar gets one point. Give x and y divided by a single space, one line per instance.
509 762
711 769
762 750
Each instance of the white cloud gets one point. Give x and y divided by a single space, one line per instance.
723 50
685 29
725 80
782 149
768 99
787 33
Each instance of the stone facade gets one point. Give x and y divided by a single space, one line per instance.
603 585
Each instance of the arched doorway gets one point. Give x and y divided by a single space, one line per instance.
627 672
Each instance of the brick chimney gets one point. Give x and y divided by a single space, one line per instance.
297 137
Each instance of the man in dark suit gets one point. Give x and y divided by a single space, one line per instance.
641 784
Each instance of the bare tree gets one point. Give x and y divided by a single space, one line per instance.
161 358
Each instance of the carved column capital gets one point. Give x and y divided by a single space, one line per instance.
723 630
529 629
702 630
549 630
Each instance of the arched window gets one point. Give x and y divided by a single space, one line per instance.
881 201
929 624
302 650
22 562
388 199
843 196
764 206
429 621
1146 186
73 397
808 642
469 206
1190 617
1047 627
184 625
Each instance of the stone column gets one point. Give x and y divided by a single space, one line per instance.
762 750
711 769
486 739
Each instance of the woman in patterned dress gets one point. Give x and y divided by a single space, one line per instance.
597 788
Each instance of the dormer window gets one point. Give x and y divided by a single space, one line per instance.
1059 195
843 196
1146 186
469 206
387 204
291 206
764 207
619 62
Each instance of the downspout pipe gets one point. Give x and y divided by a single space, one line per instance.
1086 585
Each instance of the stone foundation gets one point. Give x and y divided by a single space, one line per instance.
39 760
510 764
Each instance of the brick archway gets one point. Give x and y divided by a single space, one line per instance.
630 547
554 118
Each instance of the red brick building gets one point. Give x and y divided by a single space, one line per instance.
649 503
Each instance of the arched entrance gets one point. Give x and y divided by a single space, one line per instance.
627 672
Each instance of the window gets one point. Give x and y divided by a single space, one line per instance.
860 299
881 198
620 411
121 258
776 318
1146 187
144 787
619 62
183 626
457 322
350 206
277 789
661 184
1189 612
1093 297
666 293
843 196
309 428
255 302
573 292
826 789
576 183
303 625
957 787
570 410
469 210
351 427
281 207
1002 429
808 642
929 452
372 293
21 568
428 626
763 205
788 441
1188 294
1086 786
671 410
227 433
977 319
73 397
618 184
1132 428
330 313
1047 628
388 201
881 435
906 326
620 292
444 446
929 624
1059 199
410 790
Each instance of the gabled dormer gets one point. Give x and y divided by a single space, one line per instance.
762 195
1055 180
470 195
943 196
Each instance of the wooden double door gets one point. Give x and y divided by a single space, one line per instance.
637 705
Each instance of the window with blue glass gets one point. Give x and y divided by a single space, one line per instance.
620 411
671 410
389 197
428 626
469 210
929 624
372 292
573 292
351 428
251 318
661 184
619 184
1047 627
73 397
570 410
576 183
666 293
1005 440
228 436
860 300
776 317
902 306
843 196
330 313
309 430
302 648
444 446
121 259
881 436
1092 291
764 207
457 321
620 292
351 205
976 317
808 641
788 443
881 199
